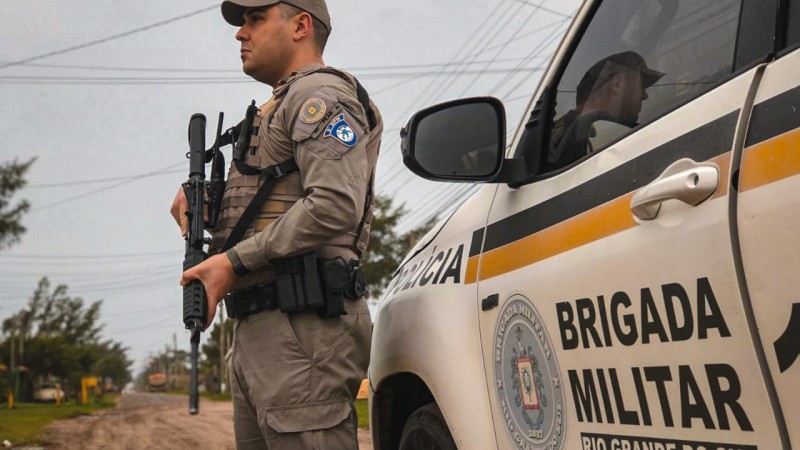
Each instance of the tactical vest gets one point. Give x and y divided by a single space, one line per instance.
240 188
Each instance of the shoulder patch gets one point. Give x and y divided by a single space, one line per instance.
313 110
339 129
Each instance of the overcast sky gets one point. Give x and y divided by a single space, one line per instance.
101 93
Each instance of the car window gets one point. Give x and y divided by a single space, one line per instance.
635 62
793 24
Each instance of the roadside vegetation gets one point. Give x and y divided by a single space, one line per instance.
25 424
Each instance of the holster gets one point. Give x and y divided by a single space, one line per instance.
305 282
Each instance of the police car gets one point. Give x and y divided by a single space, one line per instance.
628 275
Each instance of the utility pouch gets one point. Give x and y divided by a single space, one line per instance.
306 282
297 283
357 282
335 277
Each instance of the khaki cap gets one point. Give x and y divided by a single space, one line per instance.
233 10
602 71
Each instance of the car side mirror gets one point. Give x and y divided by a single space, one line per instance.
461 140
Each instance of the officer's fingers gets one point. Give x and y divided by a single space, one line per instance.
212 309
184 224
189 275
179 205
178 210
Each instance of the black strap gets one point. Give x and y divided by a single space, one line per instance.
363 98
271 176
361 94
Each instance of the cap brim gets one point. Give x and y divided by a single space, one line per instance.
650 76
233 12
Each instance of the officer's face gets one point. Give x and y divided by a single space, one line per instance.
266 44
633 96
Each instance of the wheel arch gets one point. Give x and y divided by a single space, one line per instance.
392 404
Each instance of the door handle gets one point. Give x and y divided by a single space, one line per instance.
684 180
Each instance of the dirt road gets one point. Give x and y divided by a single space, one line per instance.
154 421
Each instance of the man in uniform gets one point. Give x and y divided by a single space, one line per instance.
612 90
295 369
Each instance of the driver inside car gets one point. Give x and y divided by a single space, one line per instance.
612 90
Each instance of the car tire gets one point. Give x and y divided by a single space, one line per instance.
426 429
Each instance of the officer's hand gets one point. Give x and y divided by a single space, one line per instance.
216 274
178 210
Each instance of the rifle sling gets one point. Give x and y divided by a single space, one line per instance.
271 175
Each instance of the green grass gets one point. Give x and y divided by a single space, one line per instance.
26 422
362 408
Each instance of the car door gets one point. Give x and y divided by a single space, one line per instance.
767 204
610 307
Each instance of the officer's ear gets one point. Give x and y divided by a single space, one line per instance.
617 83
303 26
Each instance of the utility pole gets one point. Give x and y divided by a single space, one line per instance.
225 365
175 369
12 381
13 344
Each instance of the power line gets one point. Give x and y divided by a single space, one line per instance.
106 256
109 38
467 49
84 80
489 41
42 264
103 189
163 171
238 71
550 10
397 168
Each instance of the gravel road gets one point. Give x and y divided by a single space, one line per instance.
154 421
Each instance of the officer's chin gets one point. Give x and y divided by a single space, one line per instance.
256 75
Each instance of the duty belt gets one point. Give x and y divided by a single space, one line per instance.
241 304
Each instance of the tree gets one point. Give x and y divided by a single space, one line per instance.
387 248
57 336
11 180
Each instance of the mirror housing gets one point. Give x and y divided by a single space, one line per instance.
461 140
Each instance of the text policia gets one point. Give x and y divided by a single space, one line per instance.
617 321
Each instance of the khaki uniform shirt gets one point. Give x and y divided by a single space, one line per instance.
315 118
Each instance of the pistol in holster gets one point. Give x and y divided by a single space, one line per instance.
306 282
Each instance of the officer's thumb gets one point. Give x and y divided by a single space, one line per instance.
188 276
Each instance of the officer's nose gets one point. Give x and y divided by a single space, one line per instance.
241 35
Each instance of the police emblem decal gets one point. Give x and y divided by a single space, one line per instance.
527 378
340 130
313 110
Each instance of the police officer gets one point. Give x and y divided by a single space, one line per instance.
300 348
612 90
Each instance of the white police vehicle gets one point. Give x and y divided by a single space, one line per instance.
645 295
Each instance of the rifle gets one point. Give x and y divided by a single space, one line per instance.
200 193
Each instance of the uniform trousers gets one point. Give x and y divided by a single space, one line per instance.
294 378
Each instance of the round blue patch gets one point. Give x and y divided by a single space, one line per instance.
340 130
